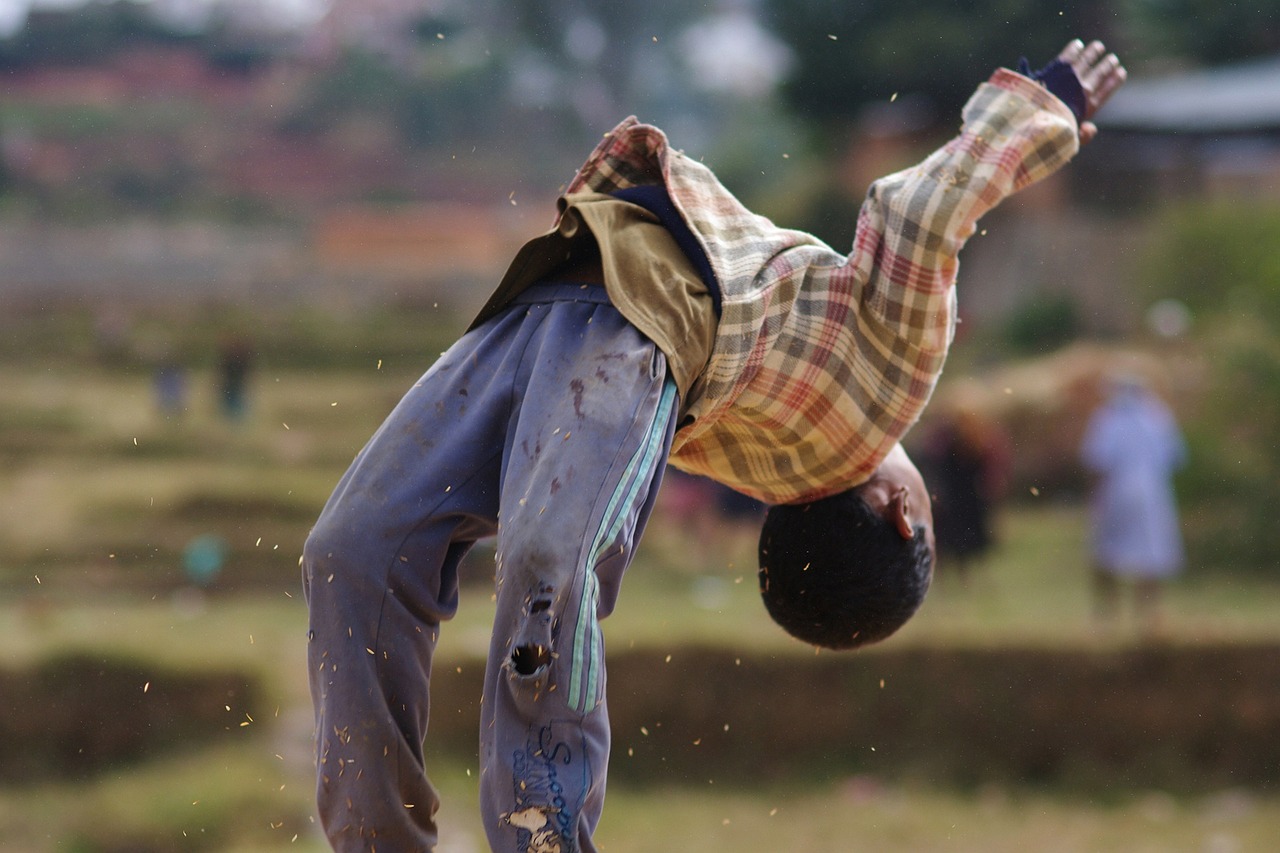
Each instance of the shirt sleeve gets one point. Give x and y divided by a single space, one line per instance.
823 361
913 223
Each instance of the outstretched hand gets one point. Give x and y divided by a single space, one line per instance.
1100 74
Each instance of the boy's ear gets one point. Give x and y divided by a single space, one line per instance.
900 508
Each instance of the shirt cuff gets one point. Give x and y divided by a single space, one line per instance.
1060 79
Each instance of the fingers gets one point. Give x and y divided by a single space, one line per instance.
1100 72
1106 77
1082 57
1093 53
1072 52
1101 79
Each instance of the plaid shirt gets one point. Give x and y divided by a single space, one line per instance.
822 361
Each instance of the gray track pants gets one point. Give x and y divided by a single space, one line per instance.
556 417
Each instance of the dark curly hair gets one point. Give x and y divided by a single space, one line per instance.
836 574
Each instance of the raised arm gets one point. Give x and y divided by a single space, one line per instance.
913 223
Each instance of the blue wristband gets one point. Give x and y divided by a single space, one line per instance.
1060 79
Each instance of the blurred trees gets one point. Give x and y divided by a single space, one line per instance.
1223 262
465 69
410 91
468 72
578 56
82 36
1204 31
853 53
596 49
96 32
850 54
425 108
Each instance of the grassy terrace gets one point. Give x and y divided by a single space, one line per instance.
99 497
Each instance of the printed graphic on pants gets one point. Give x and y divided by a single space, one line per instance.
550 778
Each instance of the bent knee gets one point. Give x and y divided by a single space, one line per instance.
337 567
532 646
320 556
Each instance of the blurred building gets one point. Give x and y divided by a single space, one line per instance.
1211 133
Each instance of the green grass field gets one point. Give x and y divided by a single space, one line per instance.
99 497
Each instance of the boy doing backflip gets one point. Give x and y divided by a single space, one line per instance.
658 321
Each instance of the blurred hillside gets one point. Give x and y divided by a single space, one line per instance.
383 148
408 146
111 106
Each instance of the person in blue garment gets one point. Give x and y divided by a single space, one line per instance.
1133 447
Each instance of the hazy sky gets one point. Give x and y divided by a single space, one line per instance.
14 12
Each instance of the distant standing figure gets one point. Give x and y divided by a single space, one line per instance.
234 362
170 381
967 459
1133 446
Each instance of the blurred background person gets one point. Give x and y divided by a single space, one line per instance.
169 382
1132 446
967 461
235 358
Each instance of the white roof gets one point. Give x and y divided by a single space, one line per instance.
1244 96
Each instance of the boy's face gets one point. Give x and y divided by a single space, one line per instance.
898 492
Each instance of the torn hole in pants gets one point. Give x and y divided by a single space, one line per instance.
531 652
